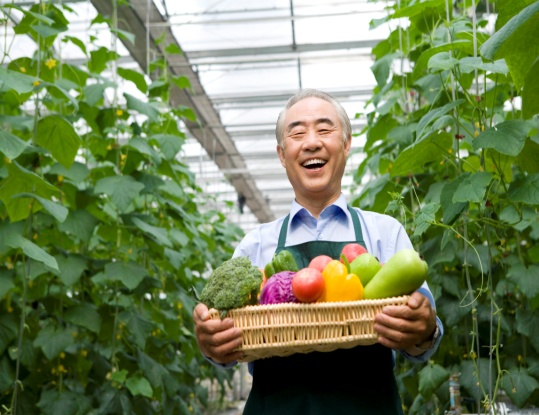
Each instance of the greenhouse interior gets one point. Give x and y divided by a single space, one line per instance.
139 154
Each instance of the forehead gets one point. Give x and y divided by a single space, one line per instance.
311 109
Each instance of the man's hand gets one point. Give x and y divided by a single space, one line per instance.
217 339
404 327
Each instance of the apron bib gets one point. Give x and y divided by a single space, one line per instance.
343 382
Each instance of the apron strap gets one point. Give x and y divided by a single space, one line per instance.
355 220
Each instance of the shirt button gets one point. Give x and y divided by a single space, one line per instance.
321 236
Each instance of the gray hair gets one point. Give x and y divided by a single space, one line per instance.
313 93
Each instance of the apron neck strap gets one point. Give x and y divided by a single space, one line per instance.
355 221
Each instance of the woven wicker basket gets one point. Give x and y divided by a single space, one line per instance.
284 329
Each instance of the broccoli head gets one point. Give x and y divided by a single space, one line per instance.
233 284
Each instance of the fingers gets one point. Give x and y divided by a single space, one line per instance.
217 339
401 327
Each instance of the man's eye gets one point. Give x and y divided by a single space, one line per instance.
324 131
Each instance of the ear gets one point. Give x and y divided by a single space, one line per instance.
348 146
280 153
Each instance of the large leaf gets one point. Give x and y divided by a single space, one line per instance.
519 385
526 279
17 81
434 115
11 145
527 159
31 250
424 59
20 181
530 92
54 340
169 144
57 211
58 136
507 137
129 274
512 42
528 325
84 315
160 235
472 188
413 158
71 268
121 189
136 77
66 403
452 209
139 327
141 107
80 224
139 385
471 377
430 379
525 190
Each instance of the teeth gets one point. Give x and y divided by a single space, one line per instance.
314 161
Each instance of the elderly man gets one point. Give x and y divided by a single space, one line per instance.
313 143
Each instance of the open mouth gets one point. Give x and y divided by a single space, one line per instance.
314 164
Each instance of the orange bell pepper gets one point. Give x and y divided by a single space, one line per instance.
340 284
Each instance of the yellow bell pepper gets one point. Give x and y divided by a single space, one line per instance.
340 284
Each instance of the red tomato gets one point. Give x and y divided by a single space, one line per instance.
308 285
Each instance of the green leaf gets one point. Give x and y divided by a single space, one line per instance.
66 403
512 43
160 235
71 268
472 188
413 158
139 327
424 59
425 218
119 376
417 9
526 279
169 144
11 145
31 250
84 315
430 379
181 82
94 93
53 340
136 77
129 273
58 136
450 208
57 211
434 115
528 325
77 42
525 190
470 64
141 107
470 378
530 92
507 137
442 61
19 181
77 173
527 159
381 69
17 81
123 34
143 147
121 189
519 385
509 9
80 224
139 385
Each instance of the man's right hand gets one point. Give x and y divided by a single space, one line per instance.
217 339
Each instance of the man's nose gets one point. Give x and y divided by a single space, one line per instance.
312 140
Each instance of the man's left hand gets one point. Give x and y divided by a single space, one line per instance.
404 327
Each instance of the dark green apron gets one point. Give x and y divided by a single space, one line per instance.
344 382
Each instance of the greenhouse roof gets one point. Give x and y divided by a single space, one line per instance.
244 59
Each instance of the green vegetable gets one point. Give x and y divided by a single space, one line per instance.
402 274
234 284
283 261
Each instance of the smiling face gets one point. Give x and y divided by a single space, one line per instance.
314 153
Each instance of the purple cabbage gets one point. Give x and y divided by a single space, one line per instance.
278 289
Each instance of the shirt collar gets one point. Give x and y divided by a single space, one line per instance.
299 211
